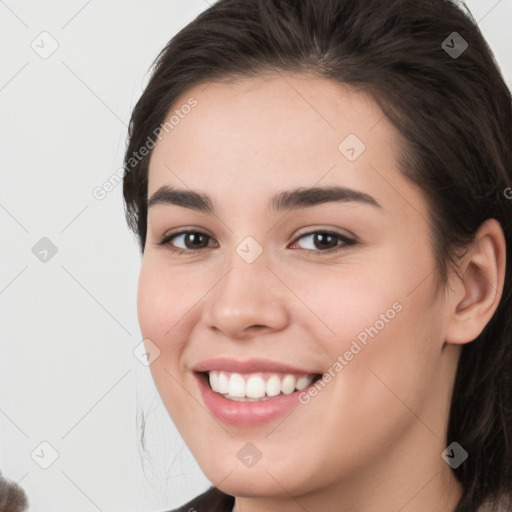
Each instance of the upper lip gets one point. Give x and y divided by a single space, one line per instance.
249 366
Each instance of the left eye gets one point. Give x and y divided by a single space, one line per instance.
324 241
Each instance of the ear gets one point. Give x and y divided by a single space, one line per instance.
474 294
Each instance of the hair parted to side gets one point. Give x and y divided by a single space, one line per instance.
454 117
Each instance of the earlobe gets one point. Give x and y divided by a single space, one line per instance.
476 295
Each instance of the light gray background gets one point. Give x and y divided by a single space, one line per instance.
69 325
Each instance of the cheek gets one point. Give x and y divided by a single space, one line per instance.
165 300
352 293
374 321
338 302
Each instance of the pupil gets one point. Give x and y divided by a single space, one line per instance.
326 238
190 238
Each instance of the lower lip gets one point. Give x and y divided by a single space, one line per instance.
246 413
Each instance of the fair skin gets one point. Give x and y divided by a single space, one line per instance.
372 439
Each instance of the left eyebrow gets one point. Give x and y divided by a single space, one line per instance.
304 197
283 201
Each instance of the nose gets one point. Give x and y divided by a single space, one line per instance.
249 300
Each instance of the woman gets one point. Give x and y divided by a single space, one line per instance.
339 335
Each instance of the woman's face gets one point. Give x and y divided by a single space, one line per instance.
283 279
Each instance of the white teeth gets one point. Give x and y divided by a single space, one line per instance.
214 380
223 385
302 382
273 386
254 387
236 385
288 384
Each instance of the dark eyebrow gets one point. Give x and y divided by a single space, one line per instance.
282 201
185 198
304 197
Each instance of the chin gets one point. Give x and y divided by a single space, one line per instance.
262 480
254 486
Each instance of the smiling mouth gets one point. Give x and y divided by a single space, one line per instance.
256 387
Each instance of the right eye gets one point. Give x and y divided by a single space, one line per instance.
192 240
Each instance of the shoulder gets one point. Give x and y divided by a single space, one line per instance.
212 500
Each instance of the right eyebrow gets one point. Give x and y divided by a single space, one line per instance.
184 198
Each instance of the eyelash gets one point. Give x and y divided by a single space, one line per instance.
346 242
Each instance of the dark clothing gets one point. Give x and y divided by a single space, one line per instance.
212 500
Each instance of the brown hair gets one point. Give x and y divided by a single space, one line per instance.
454 116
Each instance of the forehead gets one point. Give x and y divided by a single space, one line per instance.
255 136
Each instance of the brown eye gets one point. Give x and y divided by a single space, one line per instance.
324 241
188 241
